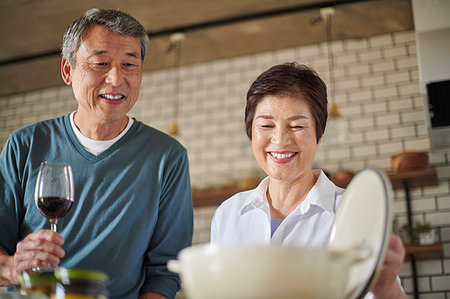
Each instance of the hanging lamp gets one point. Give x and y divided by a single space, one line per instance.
175 45
336 129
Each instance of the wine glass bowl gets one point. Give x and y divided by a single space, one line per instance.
54 192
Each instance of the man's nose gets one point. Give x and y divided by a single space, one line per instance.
114 76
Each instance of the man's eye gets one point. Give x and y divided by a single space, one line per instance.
267 126
98 65
297 127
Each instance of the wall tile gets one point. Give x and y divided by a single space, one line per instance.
384 66
382 40
385 92
402 63
372 81
404 37
369 55
440 283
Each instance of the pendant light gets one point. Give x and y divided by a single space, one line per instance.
336 129
175 46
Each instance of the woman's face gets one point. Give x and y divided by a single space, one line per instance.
284 137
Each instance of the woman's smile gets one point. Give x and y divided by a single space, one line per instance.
282 157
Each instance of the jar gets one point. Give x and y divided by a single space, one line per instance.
38 284
80 284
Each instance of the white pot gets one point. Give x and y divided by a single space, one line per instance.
427 238
261 272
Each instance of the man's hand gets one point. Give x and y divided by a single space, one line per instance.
39 249
387 285
152 295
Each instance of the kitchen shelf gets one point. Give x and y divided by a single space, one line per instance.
424 252
407 180
341 182
214 197
416 178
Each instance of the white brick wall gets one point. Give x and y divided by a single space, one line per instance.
377 91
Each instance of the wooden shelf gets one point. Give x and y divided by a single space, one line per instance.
341 182
425 252
416 178
214 197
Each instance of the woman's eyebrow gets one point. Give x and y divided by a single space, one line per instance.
294 117
298 116
264 116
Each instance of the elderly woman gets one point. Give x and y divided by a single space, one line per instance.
285 119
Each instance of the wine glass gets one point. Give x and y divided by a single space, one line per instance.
54 192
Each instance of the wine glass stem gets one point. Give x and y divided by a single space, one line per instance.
53 226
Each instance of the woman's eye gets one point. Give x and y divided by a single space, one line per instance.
266 126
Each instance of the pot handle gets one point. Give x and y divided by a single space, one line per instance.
353 255
174 266
360 255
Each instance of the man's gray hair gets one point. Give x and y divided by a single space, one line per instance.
116 20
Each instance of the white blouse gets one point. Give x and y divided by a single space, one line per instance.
245 217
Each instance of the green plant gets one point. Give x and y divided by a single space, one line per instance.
413 234
422 227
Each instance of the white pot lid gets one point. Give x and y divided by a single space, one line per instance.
364 219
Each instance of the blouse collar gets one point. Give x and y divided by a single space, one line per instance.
319 195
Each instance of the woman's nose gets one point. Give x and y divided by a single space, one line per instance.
280 136
114 76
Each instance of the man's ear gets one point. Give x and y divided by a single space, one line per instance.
65 71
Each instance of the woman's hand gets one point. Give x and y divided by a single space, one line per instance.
38 249
387 285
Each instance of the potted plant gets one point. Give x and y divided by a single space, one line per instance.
420 233
424 233
406 233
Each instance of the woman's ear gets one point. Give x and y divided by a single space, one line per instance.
65 71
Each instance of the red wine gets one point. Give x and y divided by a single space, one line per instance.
54 207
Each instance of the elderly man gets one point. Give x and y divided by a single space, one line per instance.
133 205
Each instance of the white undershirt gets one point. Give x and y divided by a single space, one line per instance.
96 147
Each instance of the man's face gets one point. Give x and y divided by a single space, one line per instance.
107 74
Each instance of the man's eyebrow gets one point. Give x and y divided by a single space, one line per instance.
133 54
100 52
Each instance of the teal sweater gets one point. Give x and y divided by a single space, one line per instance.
132 210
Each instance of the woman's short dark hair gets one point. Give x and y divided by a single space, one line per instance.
115 20
294 80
